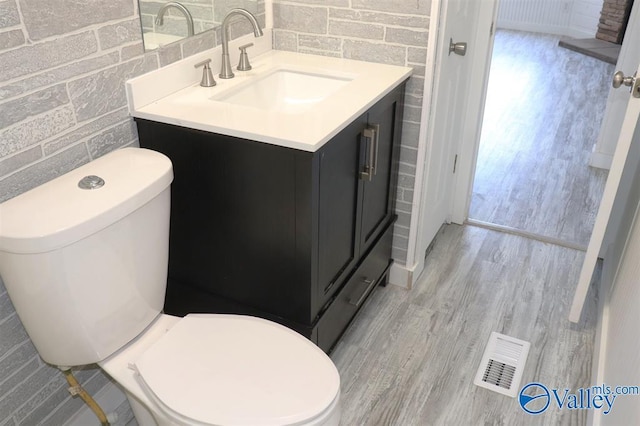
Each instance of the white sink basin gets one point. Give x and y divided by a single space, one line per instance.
288 99
285 90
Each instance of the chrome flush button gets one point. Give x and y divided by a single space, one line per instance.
91 182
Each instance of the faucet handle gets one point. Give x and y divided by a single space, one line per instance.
243 64
207 75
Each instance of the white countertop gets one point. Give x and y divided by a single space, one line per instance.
307 129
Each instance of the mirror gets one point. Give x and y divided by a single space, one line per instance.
165 22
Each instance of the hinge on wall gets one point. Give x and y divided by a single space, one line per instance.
455 162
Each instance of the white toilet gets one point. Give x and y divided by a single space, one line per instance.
86 270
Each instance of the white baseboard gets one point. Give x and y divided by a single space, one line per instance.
579 33
600 160
532 27
109 398
401 276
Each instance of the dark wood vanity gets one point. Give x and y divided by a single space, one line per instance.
301 238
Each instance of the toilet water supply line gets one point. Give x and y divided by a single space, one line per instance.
76 389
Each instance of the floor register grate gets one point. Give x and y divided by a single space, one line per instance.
502 364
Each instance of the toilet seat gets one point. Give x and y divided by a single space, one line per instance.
237 370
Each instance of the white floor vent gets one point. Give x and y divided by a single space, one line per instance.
502 364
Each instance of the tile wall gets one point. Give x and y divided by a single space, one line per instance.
63 64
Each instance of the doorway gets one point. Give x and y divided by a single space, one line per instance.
543 110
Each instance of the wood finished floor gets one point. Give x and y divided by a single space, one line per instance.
542 116
410 357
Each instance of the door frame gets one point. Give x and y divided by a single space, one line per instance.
480 50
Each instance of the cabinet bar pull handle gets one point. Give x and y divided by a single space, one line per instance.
371 284
376 139
371 134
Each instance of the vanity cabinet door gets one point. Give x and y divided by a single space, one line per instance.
378 181
338 209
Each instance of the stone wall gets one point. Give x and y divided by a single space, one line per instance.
63 64
384 31
613 20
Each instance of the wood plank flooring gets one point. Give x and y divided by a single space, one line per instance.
410 357
542 116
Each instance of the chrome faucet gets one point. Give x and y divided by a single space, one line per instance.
181 8
225 70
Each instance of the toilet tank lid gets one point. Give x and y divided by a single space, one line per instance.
60 212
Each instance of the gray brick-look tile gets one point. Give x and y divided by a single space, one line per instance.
412 114
320 42
111 139
408 154
6 310
415 86
12 361
11 39
410 134
56 75
414 100
117 34
34 130
9 15
11 164
10 399
401 231
406 181
320 52
407 195
37 57
67 406
285 40
407 169
404 219
380 18
399 255
169 54
356 29
42 172
417 55
374 52
300 18
17 110
46 18
338 3
173 26
104 91
129 52
419 70
45 402
407 37
399 241
92 128
415 7
50 391
12 332
199 43
403 206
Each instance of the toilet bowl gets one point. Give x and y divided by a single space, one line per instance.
209 369
84 260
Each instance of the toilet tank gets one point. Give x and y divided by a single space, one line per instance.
86 269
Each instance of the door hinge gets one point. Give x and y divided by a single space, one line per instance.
455 162
491 29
